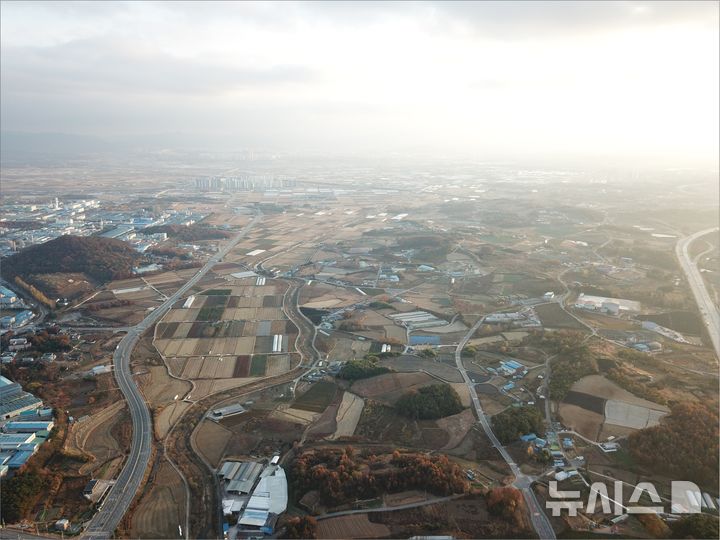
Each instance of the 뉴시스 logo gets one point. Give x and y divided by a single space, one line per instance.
686 499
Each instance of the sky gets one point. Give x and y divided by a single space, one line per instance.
602 80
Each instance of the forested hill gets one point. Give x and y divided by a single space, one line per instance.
101 259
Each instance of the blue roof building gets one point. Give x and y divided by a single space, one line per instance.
28 426
23 317
19 459
529 437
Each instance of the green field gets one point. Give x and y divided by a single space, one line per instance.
317 398
217 292
210 313
553 316
370 291
258 365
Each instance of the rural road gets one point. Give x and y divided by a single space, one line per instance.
121 495
708 310
539 519
407 506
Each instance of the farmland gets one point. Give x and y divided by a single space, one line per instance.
317 398
553 316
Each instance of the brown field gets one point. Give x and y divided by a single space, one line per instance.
585 422
278 364
159 388
210 439
176 365
353 526
390 386
95 427
597 385
457 427
343 348
167 416
162 508
463 393
348 415
493 404
192 368
104 447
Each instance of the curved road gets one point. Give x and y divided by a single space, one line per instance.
539 519
708 309
121 495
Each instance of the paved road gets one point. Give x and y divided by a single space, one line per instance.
540 521
121 495
708 309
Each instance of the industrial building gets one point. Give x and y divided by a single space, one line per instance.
240 477
14 400
229 410
12 441
7 297
612 306
269 499
28 426
417 319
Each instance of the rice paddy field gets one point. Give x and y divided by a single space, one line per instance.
239 319
228 333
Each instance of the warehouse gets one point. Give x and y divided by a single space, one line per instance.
268 501
244 479
28 427
13 400
12 441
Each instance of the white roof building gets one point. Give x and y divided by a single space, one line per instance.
270 497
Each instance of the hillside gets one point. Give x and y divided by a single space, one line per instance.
101 259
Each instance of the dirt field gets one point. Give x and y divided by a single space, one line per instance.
348 415
463 393
457 427
162 508
353 526
91 434
165 417
210 439
598 385
159 388
596 406
103 445
587 423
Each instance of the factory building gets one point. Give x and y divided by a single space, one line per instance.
14 400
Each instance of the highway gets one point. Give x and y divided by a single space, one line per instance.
708 310
539 519
121 495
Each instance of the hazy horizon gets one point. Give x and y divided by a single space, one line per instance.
633 82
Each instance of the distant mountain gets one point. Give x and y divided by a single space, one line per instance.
21 146
101 259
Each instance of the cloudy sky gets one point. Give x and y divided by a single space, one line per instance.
615 79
